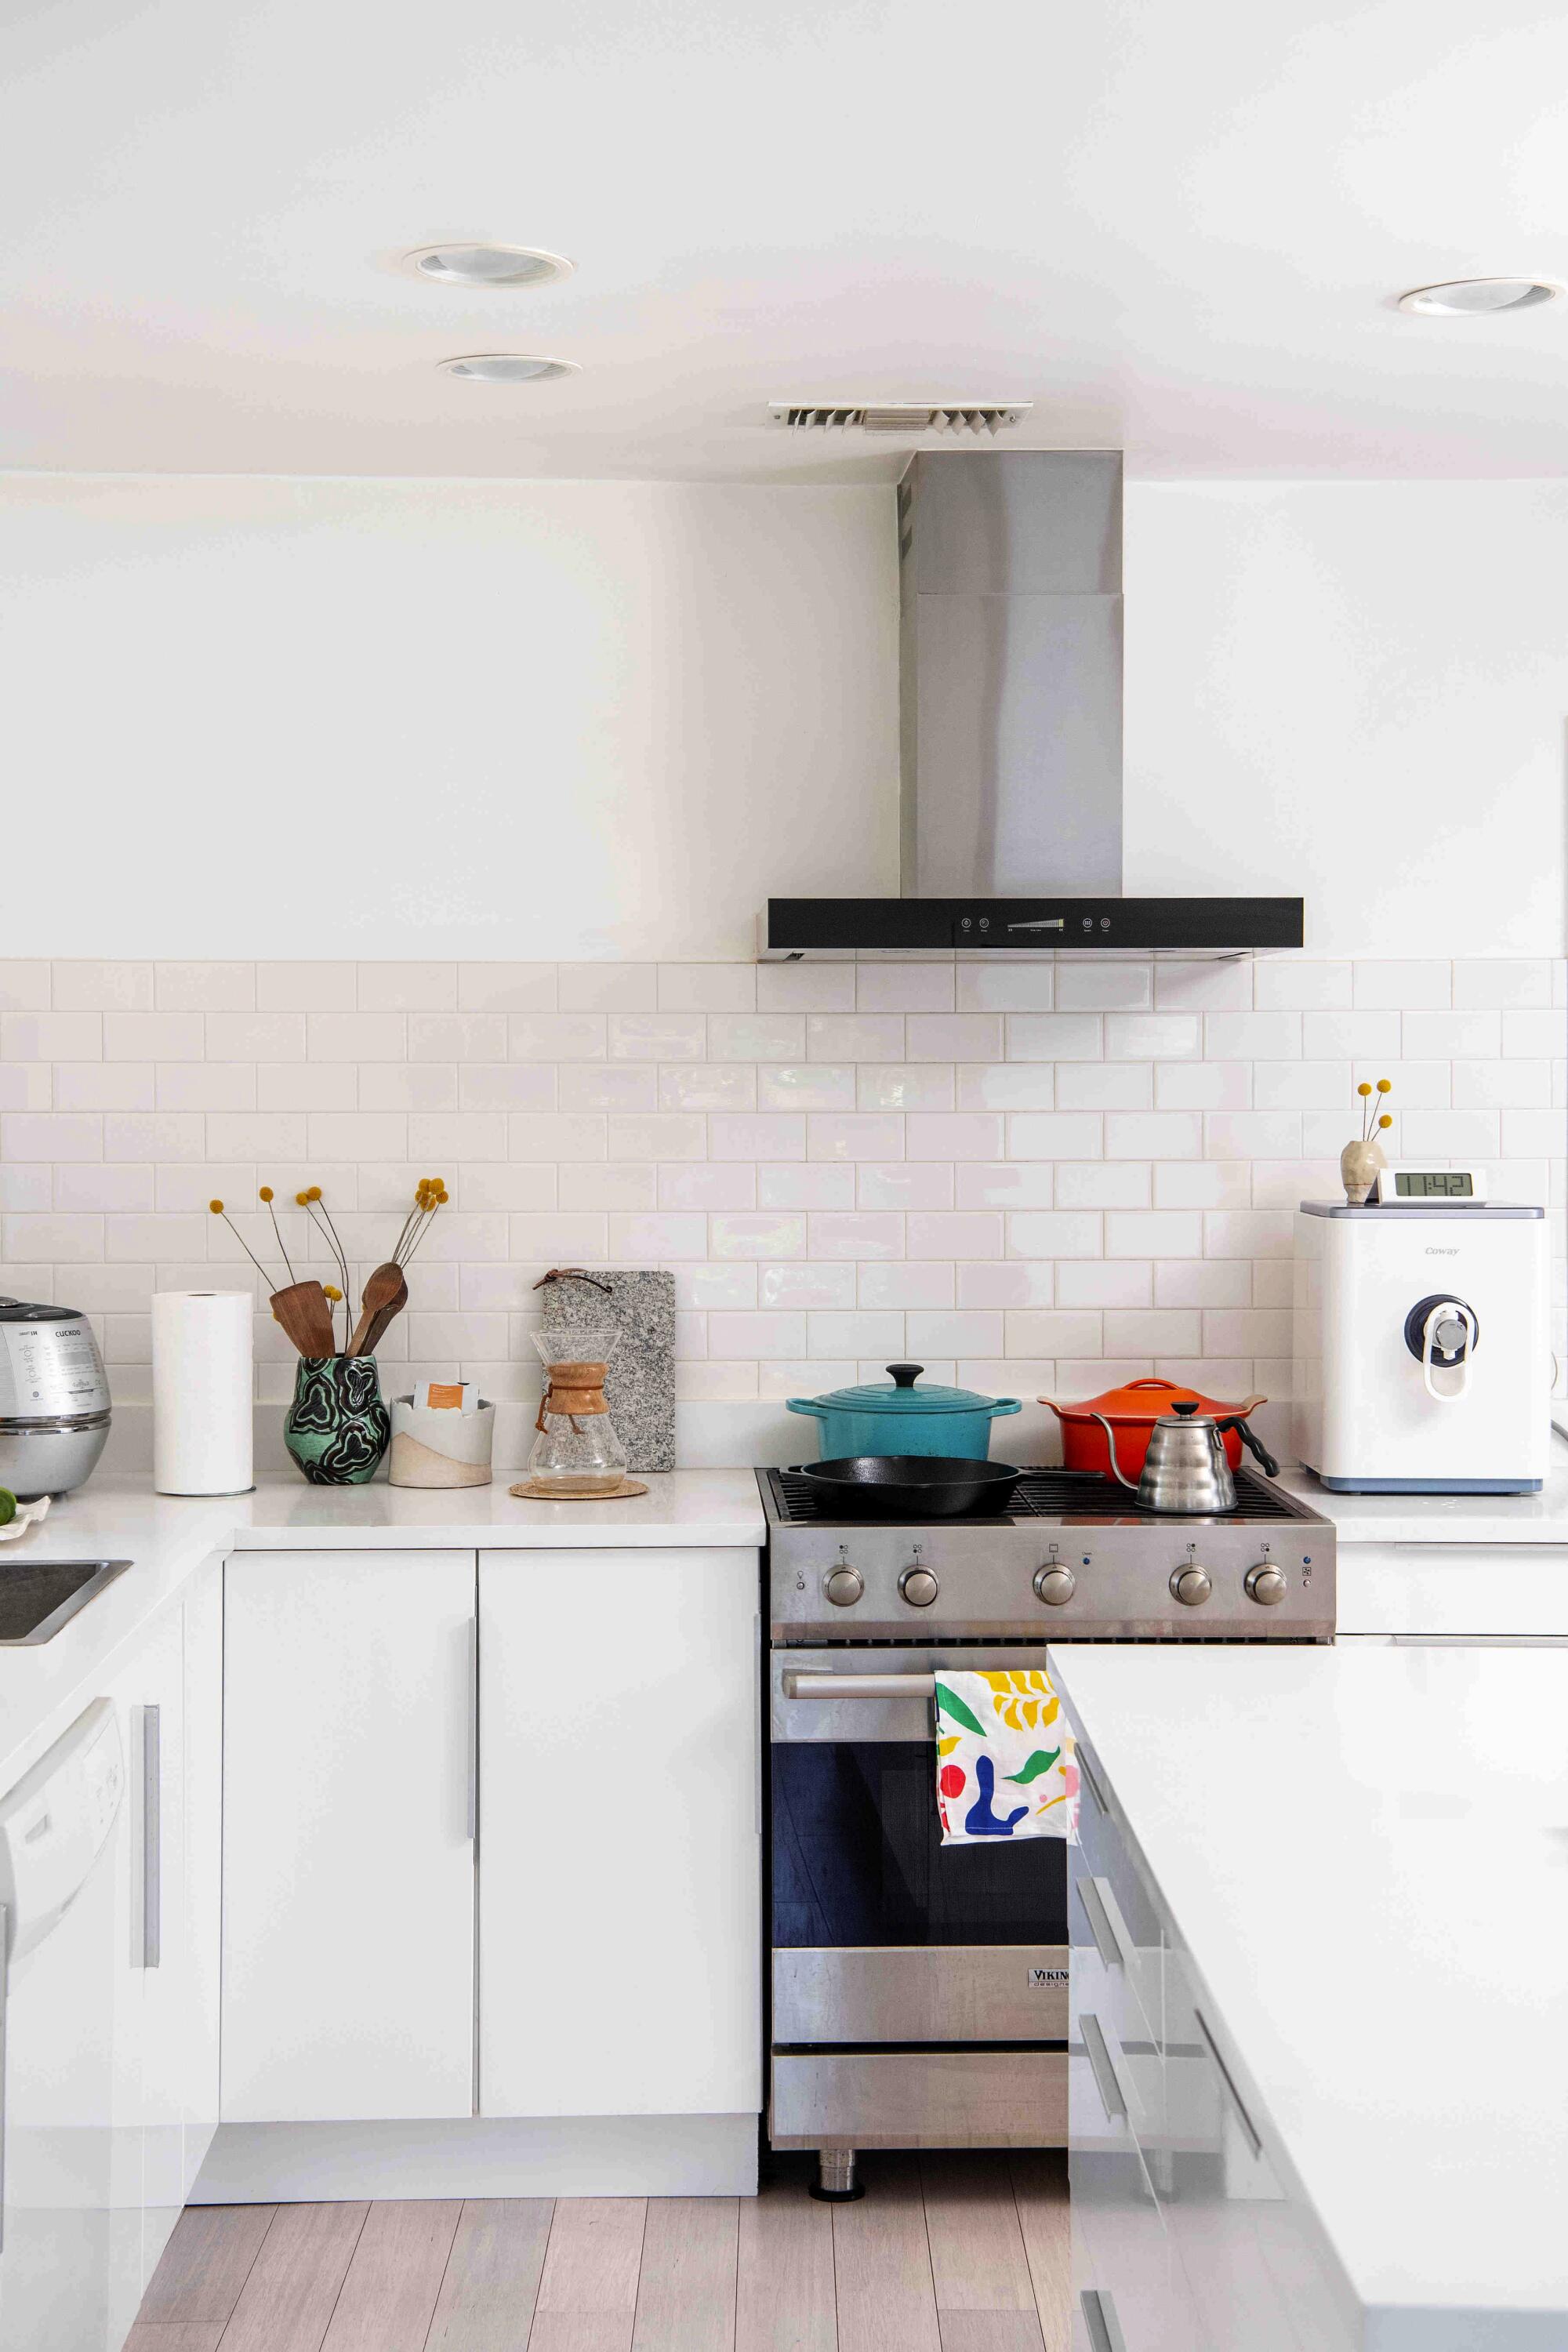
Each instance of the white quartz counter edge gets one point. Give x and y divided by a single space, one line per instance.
167 1539
1370 1887
1444 1518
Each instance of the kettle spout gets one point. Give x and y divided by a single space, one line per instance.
1111 1448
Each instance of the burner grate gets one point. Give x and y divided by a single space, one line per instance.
1042 1494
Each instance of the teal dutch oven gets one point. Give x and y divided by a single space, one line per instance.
903 1419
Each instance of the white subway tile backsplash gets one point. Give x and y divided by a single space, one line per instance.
1015 986
755 1335
905 1086
1112 1144
855 1037
1448 1036
904 988
903 1184
1403 985
1052 1037
822 1184
707 987
607 987
1153 1037
1004 1184
1008 1085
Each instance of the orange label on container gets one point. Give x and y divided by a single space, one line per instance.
445 1394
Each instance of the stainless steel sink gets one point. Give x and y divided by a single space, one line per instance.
37 1597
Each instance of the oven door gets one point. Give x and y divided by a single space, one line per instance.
880 1933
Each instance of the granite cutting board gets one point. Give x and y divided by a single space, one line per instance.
641 1389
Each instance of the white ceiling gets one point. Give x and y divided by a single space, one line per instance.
1175 229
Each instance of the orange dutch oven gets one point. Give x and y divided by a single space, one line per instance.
1133 1412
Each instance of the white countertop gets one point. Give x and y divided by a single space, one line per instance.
1444 1518
1366 1853
167 1539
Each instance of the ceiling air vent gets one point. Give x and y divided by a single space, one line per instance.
904 416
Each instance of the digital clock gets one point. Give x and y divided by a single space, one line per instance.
1406 1185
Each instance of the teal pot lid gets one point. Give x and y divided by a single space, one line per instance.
903 1396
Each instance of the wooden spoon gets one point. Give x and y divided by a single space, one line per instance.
385 1293
304 1311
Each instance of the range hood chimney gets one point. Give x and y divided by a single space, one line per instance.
1010 736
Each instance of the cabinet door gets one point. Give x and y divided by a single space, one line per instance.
202 1915
348 1857
619 1882
156 1691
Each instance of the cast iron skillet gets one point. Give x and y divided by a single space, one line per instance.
926 1485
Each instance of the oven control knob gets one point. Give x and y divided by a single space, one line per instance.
919 1587
843 1585
1054 1585
1191 1585
1265 1585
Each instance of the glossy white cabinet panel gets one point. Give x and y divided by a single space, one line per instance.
161 1953
201 1926
620 1886
348 1866
1454 1590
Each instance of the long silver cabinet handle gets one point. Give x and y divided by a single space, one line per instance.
1099 2318
1091 1783
1105 2081
151 1838
472 1801
1093 1906
1243 2118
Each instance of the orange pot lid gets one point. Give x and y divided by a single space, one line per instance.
1144 1401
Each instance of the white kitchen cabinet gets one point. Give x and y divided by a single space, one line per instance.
348 1938
200 1926
160 1954
619 1837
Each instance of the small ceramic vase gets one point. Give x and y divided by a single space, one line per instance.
1359 1164
337 1429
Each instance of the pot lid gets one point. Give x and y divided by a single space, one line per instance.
876 1396
1145 1401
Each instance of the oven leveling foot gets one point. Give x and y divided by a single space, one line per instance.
835 2183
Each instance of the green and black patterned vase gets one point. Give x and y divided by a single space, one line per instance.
337 1428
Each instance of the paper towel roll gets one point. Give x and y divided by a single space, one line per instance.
202 1387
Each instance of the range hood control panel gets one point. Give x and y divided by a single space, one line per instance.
1192 927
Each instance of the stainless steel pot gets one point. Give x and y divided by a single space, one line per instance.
1186 1469
54 1398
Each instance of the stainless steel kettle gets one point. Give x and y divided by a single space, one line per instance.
1185 1467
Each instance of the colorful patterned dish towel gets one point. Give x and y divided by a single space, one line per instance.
1005 1765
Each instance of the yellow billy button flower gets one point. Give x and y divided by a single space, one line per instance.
333 1293
1385 1086
1386 1121
314 1193
217 1208
1363 1088
264 1194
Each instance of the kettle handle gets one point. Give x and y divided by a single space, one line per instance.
1253 1446
1110 1449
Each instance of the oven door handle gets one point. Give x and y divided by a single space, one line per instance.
800 1686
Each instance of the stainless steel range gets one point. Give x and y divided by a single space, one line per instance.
919 1992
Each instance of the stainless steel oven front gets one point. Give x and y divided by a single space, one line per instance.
919 1991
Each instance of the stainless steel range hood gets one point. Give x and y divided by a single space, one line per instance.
1010 746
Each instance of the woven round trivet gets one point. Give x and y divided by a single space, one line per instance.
531 1491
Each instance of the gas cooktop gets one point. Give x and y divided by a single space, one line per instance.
1072 1559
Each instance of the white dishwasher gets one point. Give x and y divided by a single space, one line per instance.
58 2257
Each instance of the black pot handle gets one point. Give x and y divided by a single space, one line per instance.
1254 1445
905 1375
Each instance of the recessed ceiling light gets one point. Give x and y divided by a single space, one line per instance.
487 264
506 367
1470 298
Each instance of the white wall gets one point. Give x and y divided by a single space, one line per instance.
1358 692
269 717
370 719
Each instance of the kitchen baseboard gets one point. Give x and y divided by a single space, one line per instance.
530 2156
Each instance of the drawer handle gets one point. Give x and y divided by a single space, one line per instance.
1099 2318
1093 1906
1241 2116
151 1838
1089 1782
1105 2081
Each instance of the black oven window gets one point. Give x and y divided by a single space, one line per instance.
858 1857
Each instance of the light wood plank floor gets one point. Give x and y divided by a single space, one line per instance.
949 2254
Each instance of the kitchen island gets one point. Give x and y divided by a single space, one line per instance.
1320 1998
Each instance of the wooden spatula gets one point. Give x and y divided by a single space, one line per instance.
304 1311
385 1294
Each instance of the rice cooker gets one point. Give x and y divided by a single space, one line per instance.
54 1398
